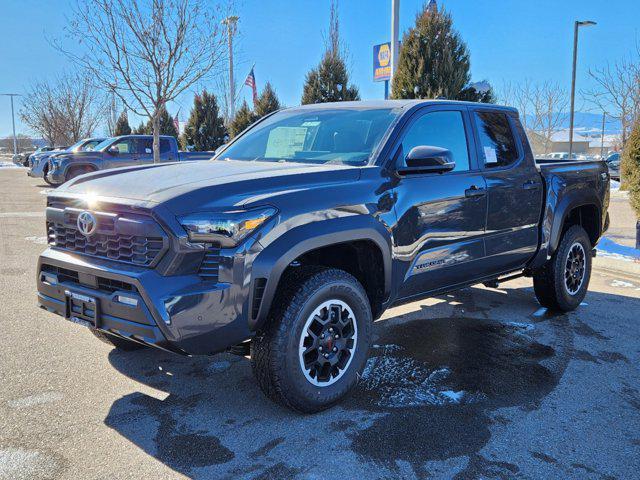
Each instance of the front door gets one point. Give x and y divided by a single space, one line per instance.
126 156
438 237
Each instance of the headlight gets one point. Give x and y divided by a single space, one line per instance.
226 229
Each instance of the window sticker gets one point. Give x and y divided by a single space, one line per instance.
284 142
490 155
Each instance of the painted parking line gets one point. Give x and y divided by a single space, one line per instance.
21 214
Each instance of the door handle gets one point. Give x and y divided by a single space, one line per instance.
530 185
474 191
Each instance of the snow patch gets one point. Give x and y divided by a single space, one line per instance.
11 165
37 240
36 399
523 326
540 312
455 397
614 185
622 283
218 367
20 464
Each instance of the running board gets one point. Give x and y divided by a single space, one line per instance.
495 283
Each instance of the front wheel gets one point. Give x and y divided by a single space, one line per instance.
316 344
563 281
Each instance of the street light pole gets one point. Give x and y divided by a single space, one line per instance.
395 29
231 22
578 24
604 116
13 121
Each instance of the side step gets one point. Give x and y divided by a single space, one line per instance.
496 282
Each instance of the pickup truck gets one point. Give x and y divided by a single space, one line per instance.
115 152
39 165
298 234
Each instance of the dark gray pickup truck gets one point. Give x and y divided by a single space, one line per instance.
115 152
303 230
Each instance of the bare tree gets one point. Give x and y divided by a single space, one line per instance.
64 110
541 107
147 52
618 92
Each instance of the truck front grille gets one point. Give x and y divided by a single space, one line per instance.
138 250
210 265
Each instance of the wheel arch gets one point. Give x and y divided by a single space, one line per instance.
586 213
332 248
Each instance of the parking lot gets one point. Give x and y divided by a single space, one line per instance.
482 383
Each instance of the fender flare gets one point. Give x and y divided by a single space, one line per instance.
70 166
566 205
272 261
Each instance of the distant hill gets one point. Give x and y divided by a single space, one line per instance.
590 122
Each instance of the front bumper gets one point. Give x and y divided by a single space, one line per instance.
184 314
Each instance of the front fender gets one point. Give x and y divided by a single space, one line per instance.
278 255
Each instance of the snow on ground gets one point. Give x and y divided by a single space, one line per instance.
622 283
614 185
11 165
610 249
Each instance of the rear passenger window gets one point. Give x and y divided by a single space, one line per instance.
164 145
439 129
497 143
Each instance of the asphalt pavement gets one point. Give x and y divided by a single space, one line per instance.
482 383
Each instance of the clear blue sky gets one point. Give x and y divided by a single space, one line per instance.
508 41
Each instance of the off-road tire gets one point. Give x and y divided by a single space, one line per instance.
275 350
549 281
120 343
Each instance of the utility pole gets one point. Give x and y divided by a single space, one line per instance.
604 116
13 120
231 23
577 25
395 31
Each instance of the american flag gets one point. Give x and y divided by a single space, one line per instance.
251 82
176 122
432 7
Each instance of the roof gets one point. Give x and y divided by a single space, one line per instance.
397 104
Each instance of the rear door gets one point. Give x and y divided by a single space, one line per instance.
514 188
438 237
144 151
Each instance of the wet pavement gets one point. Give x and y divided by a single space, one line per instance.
482 383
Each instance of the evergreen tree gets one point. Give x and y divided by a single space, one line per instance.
329 81
267 102
205 130
434 61
630 168
167 127
140 130
244 117
122 125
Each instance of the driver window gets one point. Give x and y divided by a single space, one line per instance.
439 129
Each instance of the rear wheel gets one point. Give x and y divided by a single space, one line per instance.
118 342
563 282
316 344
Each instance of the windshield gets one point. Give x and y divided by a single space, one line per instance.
337 135
76 146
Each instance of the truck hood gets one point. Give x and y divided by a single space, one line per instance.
205 184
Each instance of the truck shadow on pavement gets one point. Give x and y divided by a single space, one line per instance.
430 393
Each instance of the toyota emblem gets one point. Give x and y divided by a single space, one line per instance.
87 223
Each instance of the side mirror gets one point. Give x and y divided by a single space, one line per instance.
113 150
427 159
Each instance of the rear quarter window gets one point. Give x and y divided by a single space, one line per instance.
497 142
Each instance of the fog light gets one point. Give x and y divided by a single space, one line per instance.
133 302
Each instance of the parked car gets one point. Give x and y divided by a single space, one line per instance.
306 227
40 167
127 150
26 162
613 163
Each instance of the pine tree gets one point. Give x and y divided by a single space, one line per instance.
140 130
267 102
244 117
167 127
434 61
122 125
630 168
205 130
329 81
